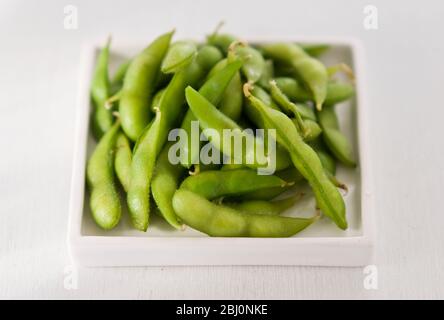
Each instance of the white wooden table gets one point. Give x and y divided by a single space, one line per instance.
38 83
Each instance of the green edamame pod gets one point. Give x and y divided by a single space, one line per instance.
289 175
179 55
215 184
142 166
309 69
336 142
336 91
100 91
165 183
305 160
104 200
122 163
265 207
214 220
150 145
138 86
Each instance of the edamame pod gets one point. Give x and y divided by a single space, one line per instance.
142 165
138 86
336 91
215 184
100 91
220 221
289 175
104 199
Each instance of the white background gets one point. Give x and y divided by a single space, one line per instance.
39 65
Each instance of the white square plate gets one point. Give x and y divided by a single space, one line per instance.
322 244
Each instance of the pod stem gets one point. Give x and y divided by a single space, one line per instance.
218 27
111 100
288 183
342 67
195 171
247 87
116 114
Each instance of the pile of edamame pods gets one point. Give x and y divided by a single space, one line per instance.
224 83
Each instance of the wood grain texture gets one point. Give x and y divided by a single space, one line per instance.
38 85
